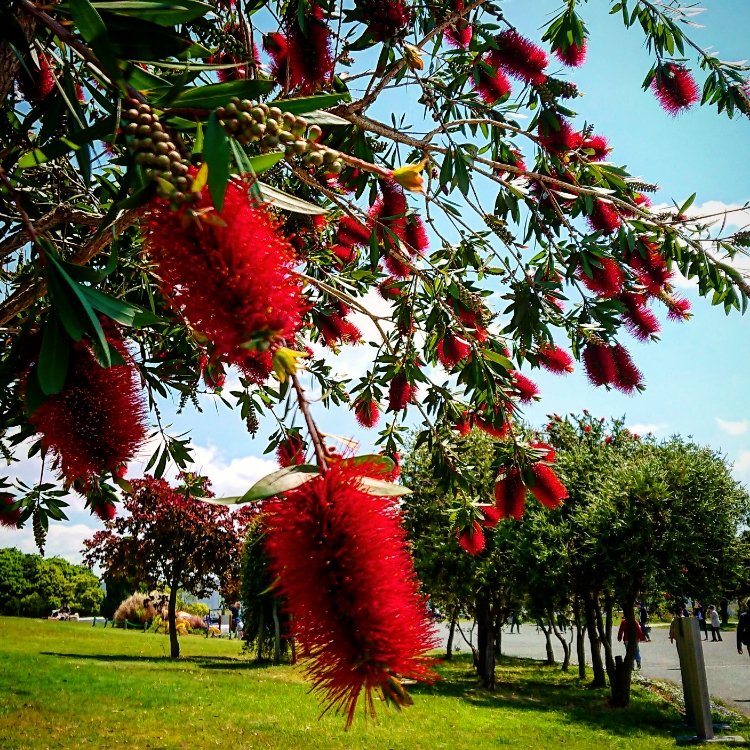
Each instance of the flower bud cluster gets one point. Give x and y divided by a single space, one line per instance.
499 227
556 88
272 129
157 153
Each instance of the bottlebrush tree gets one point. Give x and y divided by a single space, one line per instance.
190 187
169 537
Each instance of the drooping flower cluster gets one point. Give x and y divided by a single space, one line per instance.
385 19
675 88
611 365
8 515
231 276
459 34
573 54
97 422
519 57
343 568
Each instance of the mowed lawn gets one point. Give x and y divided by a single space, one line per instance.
68 685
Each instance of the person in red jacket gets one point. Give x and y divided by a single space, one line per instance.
622 635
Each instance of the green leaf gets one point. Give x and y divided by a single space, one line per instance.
53 357
386 463
382 489
264 162
279 482
319 117
686 205
218 94
216 155
93 30
303 104
286 202
498 358
162 13
122 312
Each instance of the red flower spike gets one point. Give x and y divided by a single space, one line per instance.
560 139
277 46
232 280
41 83
547 487
451 350
390 289
400 393
629 377
492 87
604 218
606 281
464 424
519 57
8 518
344 254
98 421
573 55
510 495
352 232
599 364
550 455
336 330
415 234
526 388
385 18
675 88
598 144
347 580
652 270
555 359
104 509
291 450
367 413
491 516
471 539
309 60
488 426
459 35
679 308
639 320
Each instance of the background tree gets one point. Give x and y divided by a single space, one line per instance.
169 538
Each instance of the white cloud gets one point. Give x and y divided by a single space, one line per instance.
733 428
715 213
63 539
741 468
645 428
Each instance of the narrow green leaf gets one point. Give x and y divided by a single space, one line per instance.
218 94
122 312
287 202
162 13
279 482
264 162
303 104
216 155
382 489
92 28
53 357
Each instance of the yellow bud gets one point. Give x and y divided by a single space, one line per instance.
413 57
285 362
409 176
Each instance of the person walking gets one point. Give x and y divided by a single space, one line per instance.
743 629
622 635
643 620
700 615
715 624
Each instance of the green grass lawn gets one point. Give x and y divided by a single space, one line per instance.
67 685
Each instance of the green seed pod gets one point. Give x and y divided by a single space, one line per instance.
145 118
163 163
288 119
144 130
160 136
336 167
181 183
131 128
272 126
269 141
316 159
329 157
146 144
221 112
161 148
275 112
246 105
286 137
231 108
314 132
257 130
143 158
175 156
301 147
131 114
258 114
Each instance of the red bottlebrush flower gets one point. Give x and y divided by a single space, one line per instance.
291 450
526 388
510 494
471 539
492 87
385 19
678 307
367 413
97 422
398 267
451 350
639 320
606 281
8 517
390 288
459 35
496 425
519 57
104 509
558 136
555 359
604 218
513 159
352 232
337 330
277 46
232 280
650 267
675 88
547 487
400 393
629 377
344 254
599 364
309 60
550 455
573 55
390 210
608 440
491 516
464 424
415 235
346 576
598 144
37 86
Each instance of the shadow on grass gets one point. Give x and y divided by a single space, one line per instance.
527 684
204 662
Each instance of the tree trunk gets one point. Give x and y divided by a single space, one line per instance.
580 643
563 641
547 630
485 642
605 638
174 643
261 633
624 667
451 633
9 64
600 678
276 635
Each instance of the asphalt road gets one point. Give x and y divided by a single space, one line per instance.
727 673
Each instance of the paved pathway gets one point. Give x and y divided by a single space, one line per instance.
727 673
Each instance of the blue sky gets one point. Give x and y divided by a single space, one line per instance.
696 376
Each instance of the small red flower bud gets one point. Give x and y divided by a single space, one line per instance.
471 539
